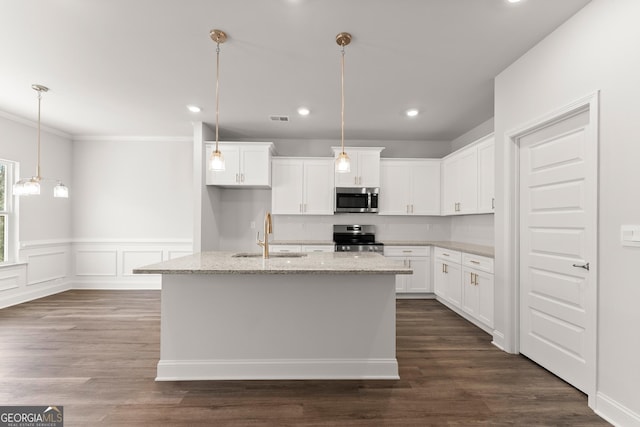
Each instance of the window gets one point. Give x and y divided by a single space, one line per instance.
7 221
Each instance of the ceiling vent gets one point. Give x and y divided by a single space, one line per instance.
275 118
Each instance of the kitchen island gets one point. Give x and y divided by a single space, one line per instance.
299 316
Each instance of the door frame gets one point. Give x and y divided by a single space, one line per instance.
511 242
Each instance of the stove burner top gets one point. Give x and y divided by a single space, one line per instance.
356 238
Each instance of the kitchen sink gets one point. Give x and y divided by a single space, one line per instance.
276 255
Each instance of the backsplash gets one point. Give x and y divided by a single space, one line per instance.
294 227
240 208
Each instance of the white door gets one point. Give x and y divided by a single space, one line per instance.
231 173
450 186
369 169
558 225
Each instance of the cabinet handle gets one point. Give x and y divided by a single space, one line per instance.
407 251
355 180
443 267
407 208
475 262
411 208
446 268
445 254
304 207
409 263
475 279
471 278
237 177
493 203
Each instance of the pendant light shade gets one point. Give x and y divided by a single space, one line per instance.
216 161
31 186
343 163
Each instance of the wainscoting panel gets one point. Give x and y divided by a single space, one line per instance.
47 266
96 262
44 269
11 278
108 264
134 259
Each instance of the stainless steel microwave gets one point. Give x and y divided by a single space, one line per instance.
357 200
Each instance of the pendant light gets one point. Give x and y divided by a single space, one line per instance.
31 186
216 161
343 163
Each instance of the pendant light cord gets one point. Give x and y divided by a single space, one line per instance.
217 89
38 161
342 99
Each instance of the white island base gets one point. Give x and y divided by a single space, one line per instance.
277 326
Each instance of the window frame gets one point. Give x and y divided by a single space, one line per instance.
10 213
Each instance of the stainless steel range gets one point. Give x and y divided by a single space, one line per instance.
356 238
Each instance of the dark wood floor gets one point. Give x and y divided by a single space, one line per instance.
95 353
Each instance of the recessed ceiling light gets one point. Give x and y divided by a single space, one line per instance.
412 112
194 108
303 111
513 1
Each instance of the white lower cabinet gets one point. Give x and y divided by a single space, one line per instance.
447 275
318 248
464 282
277 249
418 258
477 287
300 248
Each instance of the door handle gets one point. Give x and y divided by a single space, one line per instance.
585 266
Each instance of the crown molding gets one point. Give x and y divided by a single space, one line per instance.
34 124
124 138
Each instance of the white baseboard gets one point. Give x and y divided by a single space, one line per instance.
118 285
278 369
498 339
615 413
461 313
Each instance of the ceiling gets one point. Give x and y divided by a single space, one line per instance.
130 67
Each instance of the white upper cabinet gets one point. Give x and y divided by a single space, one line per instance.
365 167
246 164
486 174
468 179
302 186
409 187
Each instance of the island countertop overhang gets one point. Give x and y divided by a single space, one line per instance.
215 262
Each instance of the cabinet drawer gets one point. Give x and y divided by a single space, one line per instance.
452 256
285 248
407 251
478 262
318 248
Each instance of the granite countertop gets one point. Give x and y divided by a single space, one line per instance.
469 248
310 263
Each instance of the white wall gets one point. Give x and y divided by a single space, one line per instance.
597 49
482 130
133 205
476 229
134 189
44 221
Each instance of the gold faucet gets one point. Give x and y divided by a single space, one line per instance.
268 229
